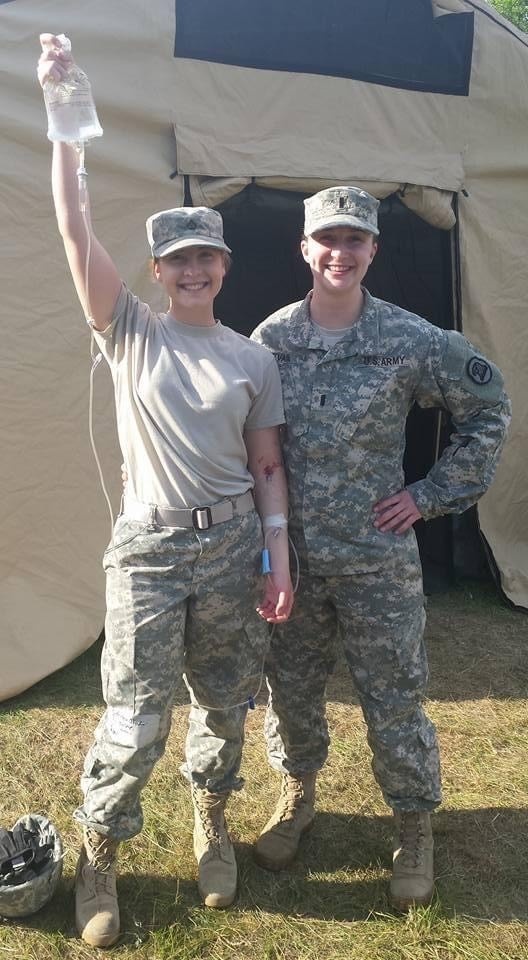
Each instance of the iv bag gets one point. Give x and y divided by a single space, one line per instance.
72 117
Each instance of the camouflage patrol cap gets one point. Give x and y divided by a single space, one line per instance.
341 207
170 230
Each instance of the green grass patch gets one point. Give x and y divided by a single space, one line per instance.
333 903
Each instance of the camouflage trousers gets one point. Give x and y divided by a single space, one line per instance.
380 621
177 601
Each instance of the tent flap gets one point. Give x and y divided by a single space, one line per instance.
213 147
212 191
432 205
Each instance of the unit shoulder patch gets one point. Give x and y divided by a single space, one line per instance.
479 370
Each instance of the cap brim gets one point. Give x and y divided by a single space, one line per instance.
342 220
194 241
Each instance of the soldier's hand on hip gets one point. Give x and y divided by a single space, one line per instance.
397 513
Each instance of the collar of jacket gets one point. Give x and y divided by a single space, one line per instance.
364 337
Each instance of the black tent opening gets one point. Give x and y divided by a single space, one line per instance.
413 268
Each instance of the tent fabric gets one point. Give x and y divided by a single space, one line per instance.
170 122
406 145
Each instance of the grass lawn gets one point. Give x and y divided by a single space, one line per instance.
333 903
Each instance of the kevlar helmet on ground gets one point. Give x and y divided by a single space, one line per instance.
31 857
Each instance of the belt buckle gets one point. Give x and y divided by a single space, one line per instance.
199 521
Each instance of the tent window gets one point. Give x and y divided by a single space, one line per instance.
395 44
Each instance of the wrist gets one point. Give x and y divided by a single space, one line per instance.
278 550
274 521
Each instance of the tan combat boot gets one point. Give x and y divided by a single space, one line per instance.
96 906
294 814
412 872
217 869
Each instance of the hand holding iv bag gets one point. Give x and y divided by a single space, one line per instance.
72 117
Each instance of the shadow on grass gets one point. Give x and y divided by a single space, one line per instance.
78 684
476 649
341 874
343 870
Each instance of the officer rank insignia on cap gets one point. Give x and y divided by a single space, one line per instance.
341 206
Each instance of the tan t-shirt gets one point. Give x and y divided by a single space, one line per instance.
184 396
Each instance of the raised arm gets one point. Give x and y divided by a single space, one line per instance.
95 276
271 500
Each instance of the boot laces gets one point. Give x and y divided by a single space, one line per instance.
291 798
102 852
104 882
412 838
211 812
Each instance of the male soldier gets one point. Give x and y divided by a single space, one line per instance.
351 368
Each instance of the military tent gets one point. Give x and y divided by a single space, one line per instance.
247 106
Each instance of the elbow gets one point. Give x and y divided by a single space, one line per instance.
70 225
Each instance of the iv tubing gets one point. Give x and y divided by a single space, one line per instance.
252 697
82 177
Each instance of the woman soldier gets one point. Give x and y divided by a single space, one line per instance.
351 368
198 408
